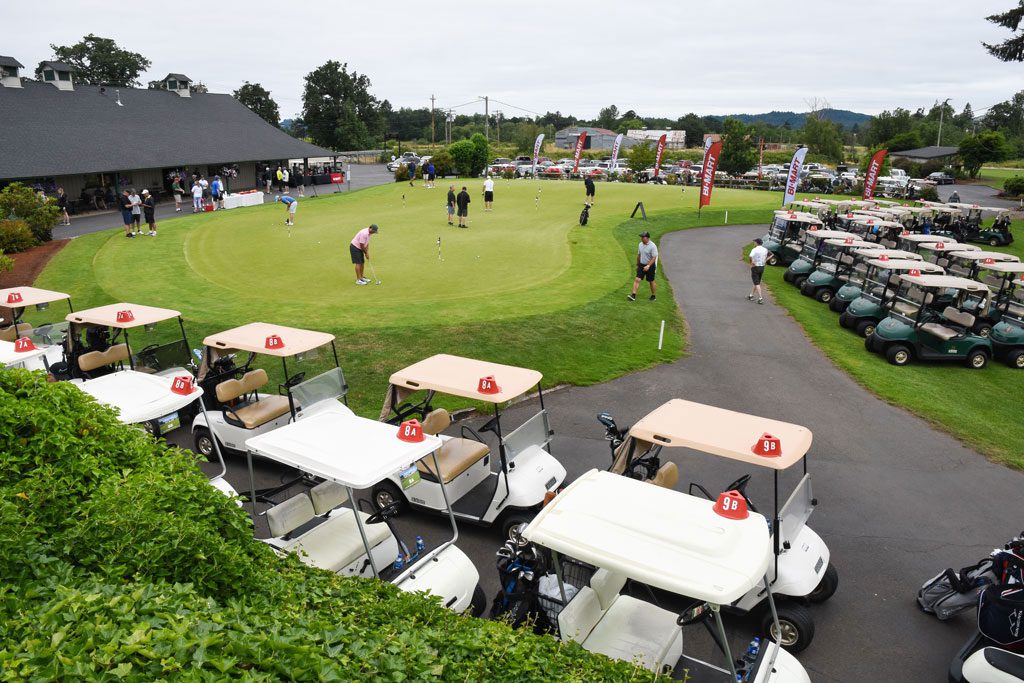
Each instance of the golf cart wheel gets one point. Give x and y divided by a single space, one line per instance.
1016 359
869 343
982 329
837 305
385 493
202 443
824 295
994 242
976 359
799 280
511 521
897 354
772 260
826 588
805 289
866 328
796 623
787 276
479 602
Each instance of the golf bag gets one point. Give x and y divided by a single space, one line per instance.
520 566
952 592
585 214
1001 615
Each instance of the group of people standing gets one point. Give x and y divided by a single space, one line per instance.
134 208
203 192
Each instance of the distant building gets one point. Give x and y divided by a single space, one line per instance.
924 154
597 138
674 139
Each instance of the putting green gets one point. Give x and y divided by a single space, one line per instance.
527 257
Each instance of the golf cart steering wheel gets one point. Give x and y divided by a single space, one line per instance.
295 379
148 351
385 513
695 612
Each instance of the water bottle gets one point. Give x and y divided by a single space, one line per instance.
420 545
399 562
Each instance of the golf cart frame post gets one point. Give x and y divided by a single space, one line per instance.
46 350
120 317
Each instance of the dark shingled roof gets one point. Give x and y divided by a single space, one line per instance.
179 77
59 66
10 61
931 152
49 132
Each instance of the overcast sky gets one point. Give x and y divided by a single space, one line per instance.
662 58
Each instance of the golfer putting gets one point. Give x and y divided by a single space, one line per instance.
360 251
291 205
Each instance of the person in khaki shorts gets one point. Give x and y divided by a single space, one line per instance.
646 266
758 257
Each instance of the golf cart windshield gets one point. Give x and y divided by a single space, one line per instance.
1013 308
967 263
329 386
105 330
882 277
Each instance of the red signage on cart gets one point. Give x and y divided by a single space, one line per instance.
24 344
883 257
182 385
848 240
767 446
273 342
411 431
337 178
487 385
14 298
940 245
731 505
989 261
904 233
125 316
914 272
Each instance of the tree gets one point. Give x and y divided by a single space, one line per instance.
481 152
99 61
338 110
626 125
641 156
525 136
903 141
977 150
257 98
823 138
695 128
887 125
738 153
20 202
608 116
1011 49
462 153
965 119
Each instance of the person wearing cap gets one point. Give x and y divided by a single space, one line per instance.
292 205
126 213
360 251
136 202
488 193
758 257
149 211
646 265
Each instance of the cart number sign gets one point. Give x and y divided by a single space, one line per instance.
409 477
767 446
814 228
24 344
914 272
14 298
848 240
125 316
410 431
487 385
989 261
273 342
731 505
182 385
883 257
904 233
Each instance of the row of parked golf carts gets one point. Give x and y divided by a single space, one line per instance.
911 295
710 552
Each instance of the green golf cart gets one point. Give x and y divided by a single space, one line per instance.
879 284
836 262
912 241
1000 277
969 260
938 252
1007 336
915 329
813 245
854 284
785 236
996 235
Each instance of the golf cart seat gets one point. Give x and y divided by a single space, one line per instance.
10 334
955 316
331 543
118 353
255 410
667 476
456 454
619 626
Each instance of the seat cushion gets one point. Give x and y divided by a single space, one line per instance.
634 630
607 585
577 619
97 359
335 544
262 411
230 389
455 456
941 331
10 334
958 317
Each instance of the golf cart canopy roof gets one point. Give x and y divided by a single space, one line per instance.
799 216
806 203
8 356
918 237
254 339
107 316
827 234
852 242
979 255
944 281
657 536
985 210
138 396
458 376
907 264
30 296
1005 267
726 433
876 222
339 446
889 253
944 246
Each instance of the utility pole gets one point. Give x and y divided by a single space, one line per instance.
942 111
497 119
487 117
431 119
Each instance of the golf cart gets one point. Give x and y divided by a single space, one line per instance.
621 530
929 320
526 472
812 247
801 571
236 397
982 661
851 289
873 228
349 453
836 262
938 252
912 241
785 236
968 262
879 284
997 235
1007 335
45 342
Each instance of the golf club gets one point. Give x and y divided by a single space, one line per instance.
374 273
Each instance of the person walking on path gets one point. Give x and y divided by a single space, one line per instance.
954 198
177 191
646 265
412 172
136 201
430 174
197 197
462 204
451 204
292 205
758 257
360 251
126 213
62 204
588 183
149 211
488 193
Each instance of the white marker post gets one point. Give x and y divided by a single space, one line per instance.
727 216
661 335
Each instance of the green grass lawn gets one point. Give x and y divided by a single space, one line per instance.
995 177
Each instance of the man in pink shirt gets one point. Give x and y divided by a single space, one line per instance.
360 250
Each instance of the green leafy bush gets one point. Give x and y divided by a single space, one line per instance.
6 262
929 193
1014 186
19 201
463 154
443 163
15 236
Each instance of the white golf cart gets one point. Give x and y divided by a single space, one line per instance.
801 571
712 553
526 471
45 345
350 453
239 404
938 252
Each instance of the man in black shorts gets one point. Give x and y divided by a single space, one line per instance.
758 257
646 265
588 183
462 203
359 248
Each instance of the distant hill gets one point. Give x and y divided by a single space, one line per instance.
843 117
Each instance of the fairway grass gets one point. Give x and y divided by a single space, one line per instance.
995 177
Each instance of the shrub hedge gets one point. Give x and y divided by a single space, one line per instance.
120 561
1014 186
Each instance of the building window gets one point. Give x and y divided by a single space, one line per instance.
64 75
172 84
48 75
8 72
182 85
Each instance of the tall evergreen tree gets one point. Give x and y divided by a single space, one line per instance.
1011 49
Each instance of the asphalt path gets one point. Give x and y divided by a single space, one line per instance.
898 500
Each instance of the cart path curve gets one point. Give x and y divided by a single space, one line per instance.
898 500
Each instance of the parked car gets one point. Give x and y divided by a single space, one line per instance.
551 170
524 168
403 160
500 165
941 178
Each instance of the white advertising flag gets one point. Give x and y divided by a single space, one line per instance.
793 178
615 150
536 152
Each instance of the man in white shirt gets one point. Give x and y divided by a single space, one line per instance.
646 265
758 257
488 193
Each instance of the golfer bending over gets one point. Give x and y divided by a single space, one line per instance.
360 250
646 265
292 203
